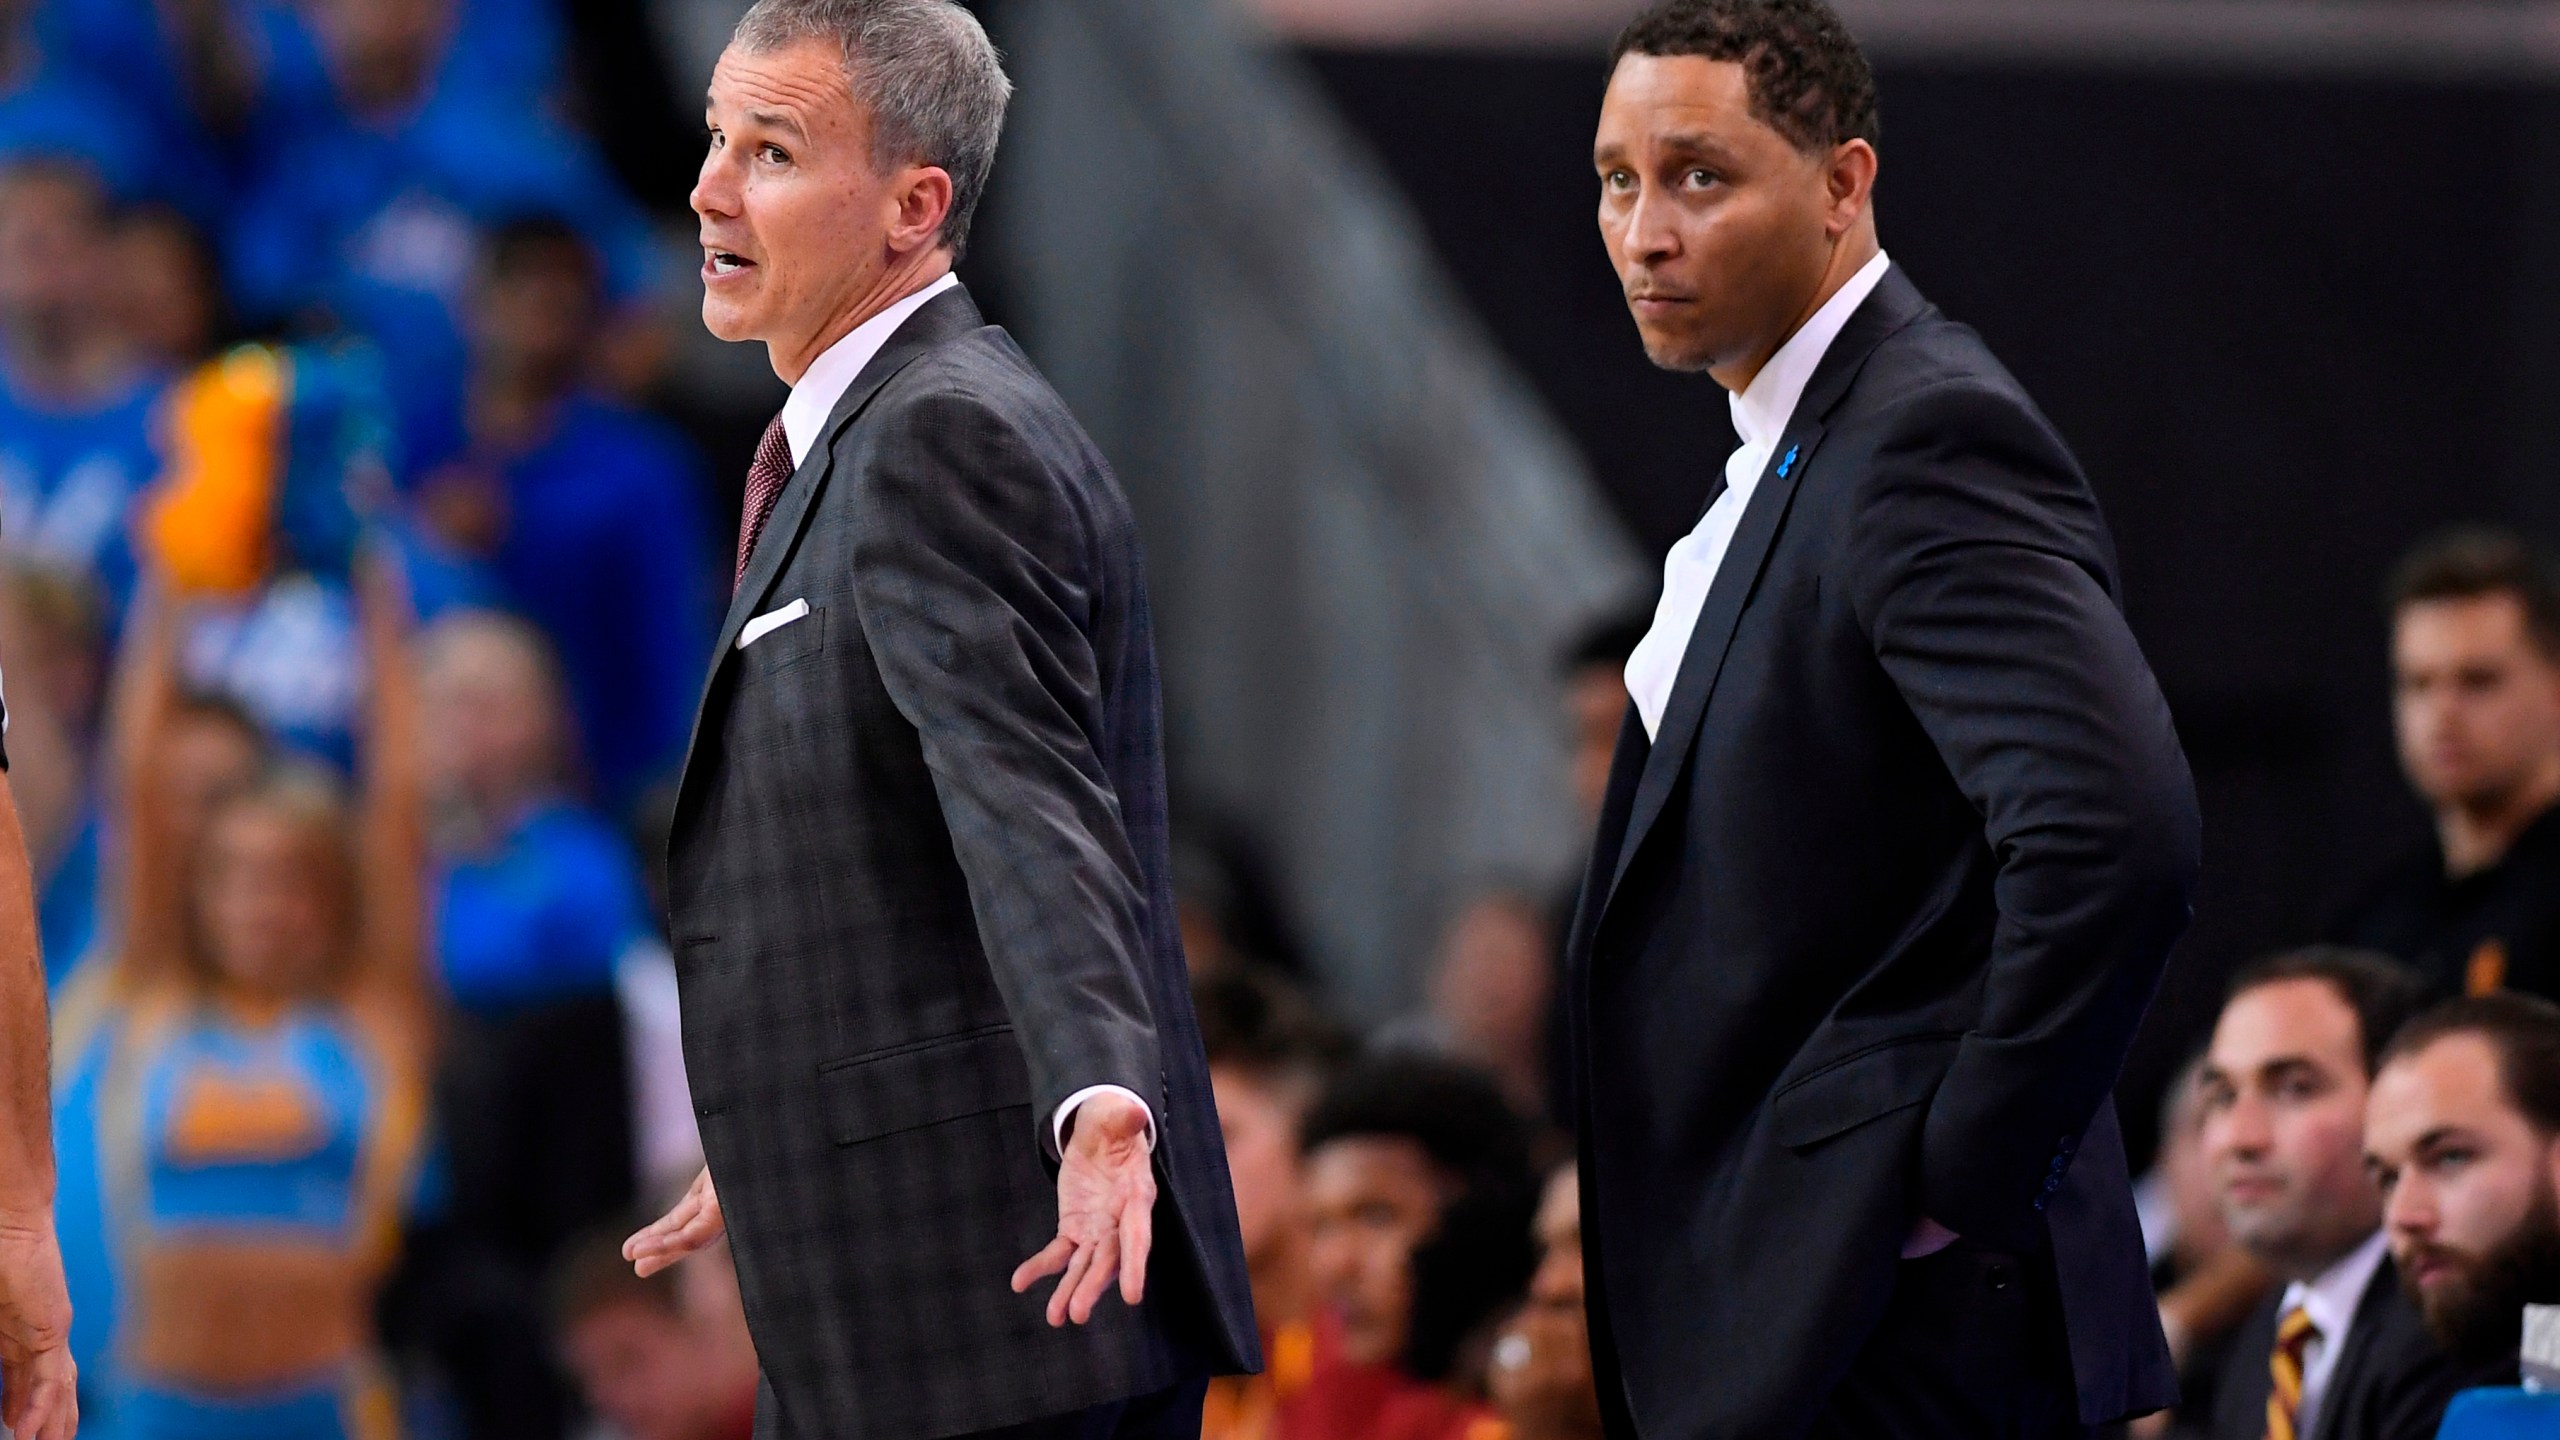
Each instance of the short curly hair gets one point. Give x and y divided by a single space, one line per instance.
1808 78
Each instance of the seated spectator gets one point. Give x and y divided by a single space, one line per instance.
256 1086
537 899
2208 1286
2340 1353
2463 1134
1420 1194
1269 1053
2475 657
590 516
662 1358
368 214
1542 1380
75 399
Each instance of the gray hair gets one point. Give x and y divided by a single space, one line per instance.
936 87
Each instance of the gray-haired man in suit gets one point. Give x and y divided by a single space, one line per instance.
936 1013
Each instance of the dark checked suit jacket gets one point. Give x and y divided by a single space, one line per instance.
920 896
1869 927
2392 1381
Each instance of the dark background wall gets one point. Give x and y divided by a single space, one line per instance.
2289 324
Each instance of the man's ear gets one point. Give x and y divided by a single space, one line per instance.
923 203
1850 175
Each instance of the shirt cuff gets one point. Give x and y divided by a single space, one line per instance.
1067 1110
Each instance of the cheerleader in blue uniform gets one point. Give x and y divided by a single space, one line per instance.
258 1071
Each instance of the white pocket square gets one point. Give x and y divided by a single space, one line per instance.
764 625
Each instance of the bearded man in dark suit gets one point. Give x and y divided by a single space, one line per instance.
936 1016
1899 832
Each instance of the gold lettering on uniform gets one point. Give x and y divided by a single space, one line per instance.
242 1119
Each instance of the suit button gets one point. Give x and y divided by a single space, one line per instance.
2070 1143
2039 1204
1999 1277
2052 1183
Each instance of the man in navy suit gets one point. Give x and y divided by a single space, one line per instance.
1899 832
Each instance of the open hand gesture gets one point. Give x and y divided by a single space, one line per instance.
694 1223
1106 1212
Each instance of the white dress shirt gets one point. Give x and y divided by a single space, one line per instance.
804 419
1761 413
804 415
2330 1299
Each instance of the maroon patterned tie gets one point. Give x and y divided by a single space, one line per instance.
765 479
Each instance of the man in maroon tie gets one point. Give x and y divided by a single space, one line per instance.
936 1015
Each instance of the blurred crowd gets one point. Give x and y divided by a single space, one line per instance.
354 610
354 606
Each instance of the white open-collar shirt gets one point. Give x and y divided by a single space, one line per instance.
1761 413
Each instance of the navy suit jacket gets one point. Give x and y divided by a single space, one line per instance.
1870 925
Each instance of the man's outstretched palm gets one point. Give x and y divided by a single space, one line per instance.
1106 1212
1106 1216
693 1223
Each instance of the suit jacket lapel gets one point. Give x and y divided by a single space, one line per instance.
2364 1331
1703 662
945 317
1617 802
1894 304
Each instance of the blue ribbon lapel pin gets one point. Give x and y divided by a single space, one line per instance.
1789 463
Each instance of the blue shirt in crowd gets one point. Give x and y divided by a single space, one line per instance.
52 111
608 551
69 478
378 224
545 914
126 47
499 47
